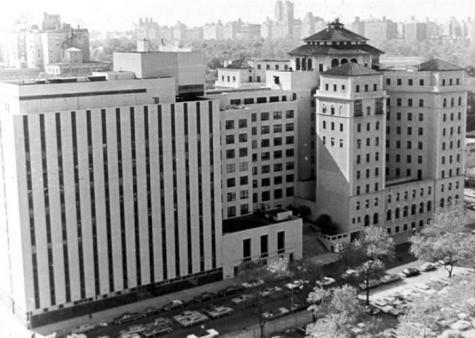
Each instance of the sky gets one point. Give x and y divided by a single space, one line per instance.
108 15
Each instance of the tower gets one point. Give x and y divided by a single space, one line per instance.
350 125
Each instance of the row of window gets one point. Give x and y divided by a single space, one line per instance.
398 146
410 82
263 99
368 173
410 102
367 189
415 209
420 130
277 154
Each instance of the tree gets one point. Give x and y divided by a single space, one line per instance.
367 255
326 225
270 274
444 239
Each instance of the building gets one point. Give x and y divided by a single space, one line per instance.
415 31
213 31
112 184
379 31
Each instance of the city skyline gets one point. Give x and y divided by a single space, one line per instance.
196 13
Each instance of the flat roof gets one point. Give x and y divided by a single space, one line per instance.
252 221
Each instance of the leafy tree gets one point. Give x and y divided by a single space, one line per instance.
444 239
326 225
367 255
270 274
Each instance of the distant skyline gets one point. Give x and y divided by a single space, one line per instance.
108 15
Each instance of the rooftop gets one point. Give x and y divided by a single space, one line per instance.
239 64
351 69
335 32
438 65
252 221
309 50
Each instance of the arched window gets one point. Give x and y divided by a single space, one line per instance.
445 103
354 60
388 215
324 108
449 201
460 100
366 220
343 61
396 213
304 64
375 219
421 208
335 63
413 209
429 206
452 102
297 64
309 64
457 199
404 211
332 110
442 202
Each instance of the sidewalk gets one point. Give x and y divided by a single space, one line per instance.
109 314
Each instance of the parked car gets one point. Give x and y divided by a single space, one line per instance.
139 328
174 304
84 328
241 298
252 283
150 311
270 291
410 272
325 282
427 267
126 317
371 284
190 318
219 311
281 311
230 290
390 278
160 321
350 273
204 297
296 284
210 333
158 331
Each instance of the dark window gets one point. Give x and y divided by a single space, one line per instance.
246 249
281 242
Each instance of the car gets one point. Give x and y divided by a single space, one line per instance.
396 312
103 323
210 333
190 318
372 283
380 302
139 328
410 272
390 278
371 310
150 311
296 284
84 328
297 307
126 317
241 298
281 311
428 267
160 321
270 291
230 290
252 283
325 282
350 273
157 331
204 297
219 311
174 304
422 286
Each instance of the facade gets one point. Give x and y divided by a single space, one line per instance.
213 31
415 31
378 31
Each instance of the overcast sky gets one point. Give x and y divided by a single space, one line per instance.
121 14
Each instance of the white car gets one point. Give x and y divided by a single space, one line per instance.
349 273
210 333
241 298
252 283
296 284
428 267
270 291
189 318
325 281
219 311
282 311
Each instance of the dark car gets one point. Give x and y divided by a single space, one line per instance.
203 297
410 272
126 317
230 290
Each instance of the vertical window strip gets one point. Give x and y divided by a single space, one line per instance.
149 195
162 194
93 201
105 159
200 186
135 194
78 204
64 228
121 200
44 162
31 209
188 206
175 193
211 179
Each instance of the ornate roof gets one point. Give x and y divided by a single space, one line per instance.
438 65
351 69
335 32
334 40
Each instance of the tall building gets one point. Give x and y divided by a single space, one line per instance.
214 31
379 31
279 11
415 31
144 141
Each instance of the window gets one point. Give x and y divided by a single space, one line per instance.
229 124
242 152
264 245
246 249
230 153
421 82
289 114
264 116
399 82
281 242
242 123
410 82
242 137
421 102
229 139
277 115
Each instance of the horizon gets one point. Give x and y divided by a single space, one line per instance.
97 16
